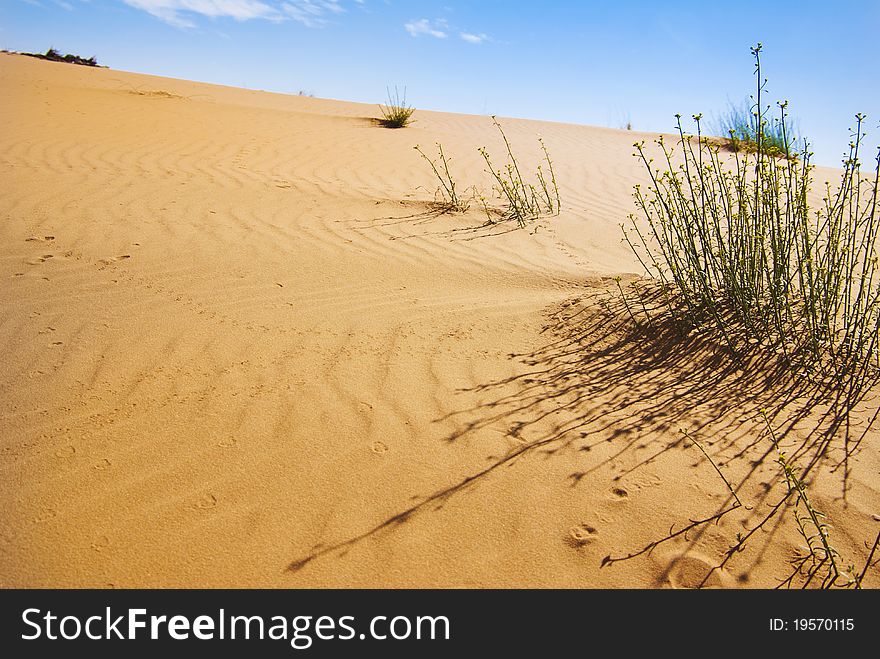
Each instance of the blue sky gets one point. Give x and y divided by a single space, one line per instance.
600 63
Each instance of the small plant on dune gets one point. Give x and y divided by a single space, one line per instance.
451 200
742 125
525 201
396 114
819 561
736 250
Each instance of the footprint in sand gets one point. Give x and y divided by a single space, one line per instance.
101 544
65 452
103 465
580 535
645 480
619 493
379 447
696 571
104 263
229 442
45 515
207 502
46 239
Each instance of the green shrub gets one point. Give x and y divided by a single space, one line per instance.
525 201
736 250
397 113
739 124
451 200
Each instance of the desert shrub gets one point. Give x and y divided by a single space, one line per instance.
737 250
396 114
54 55
739 124
524 201
450 198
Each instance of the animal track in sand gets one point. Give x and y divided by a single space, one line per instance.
103 465
65 452
104 263
45 515
46 239
206 502
619 493
580 535
643 480
379 448
101 544
697 571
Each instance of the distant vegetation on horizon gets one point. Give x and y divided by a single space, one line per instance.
53 55
739 124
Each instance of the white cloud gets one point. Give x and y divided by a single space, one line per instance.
474 38
312 13
439 28
423 26
181 13
61 3
177 12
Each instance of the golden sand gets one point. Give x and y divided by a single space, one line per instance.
240 349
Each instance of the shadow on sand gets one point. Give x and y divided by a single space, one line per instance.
600 375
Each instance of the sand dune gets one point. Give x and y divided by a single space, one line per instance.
240 349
